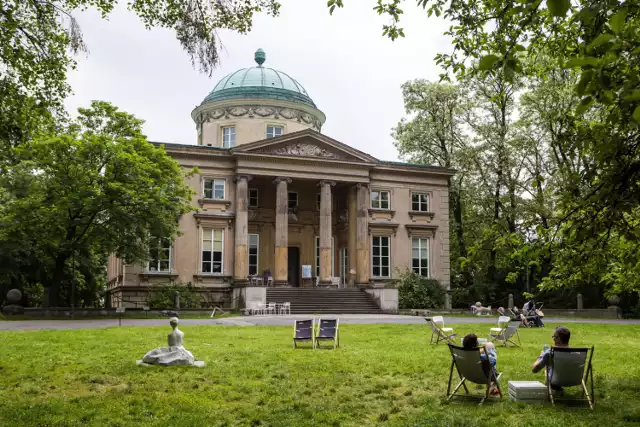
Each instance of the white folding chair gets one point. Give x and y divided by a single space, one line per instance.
505 331
441 333
285 308
272 308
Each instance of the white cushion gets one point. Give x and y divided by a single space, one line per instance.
496 329
446 329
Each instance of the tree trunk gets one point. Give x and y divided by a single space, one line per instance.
52 292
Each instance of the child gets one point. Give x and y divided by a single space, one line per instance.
487 352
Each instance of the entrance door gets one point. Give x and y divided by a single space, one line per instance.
294 266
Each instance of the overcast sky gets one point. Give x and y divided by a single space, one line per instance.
349 69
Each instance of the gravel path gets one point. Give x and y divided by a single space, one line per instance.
23 325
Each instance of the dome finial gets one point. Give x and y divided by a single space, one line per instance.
260 57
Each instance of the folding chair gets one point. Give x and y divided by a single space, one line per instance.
438 330
303 331
505 331
285 308
571 367
327 330
472 368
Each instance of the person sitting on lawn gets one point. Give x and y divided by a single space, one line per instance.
531 314
487 352
517 316
561 338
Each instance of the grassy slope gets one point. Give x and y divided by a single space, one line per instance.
383 374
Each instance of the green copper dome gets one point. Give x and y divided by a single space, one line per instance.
259 82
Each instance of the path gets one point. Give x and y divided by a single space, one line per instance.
22 325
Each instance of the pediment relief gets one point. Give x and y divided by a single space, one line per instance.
303 149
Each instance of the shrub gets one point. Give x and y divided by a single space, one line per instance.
163 294
34 294
415 291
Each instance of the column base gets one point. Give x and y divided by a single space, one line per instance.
281 283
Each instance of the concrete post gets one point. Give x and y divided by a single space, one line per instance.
447 301
325 232
362 235
282 232
510 305
241 266
580 302
176 300
353 234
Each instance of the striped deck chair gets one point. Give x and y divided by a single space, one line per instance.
327 330
303 331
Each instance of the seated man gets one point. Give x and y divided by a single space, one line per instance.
561 338
487 352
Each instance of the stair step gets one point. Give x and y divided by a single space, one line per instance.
324 301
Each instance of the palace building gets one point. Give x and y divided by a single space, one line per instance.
280 204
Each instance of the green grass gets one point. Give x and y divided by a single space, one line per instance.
381 375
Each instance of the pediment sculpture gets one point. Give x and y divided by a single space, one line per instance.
303 150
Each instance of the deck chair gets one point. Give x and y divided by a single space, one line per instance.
436 323
327 330
571 367
472 368
303 331
505 332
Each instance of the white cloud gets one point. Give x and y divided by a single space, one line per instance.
350 70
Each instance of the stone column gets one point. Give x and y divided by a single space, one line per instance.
325 231
362 235
280 276
510 303
353 236
241 260
580 302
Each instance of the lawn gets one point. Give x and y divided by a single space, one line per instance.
381 375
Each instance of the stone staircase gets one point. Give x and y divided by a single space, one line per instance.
325 301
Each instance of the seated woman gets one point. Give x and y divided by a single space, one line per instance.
515 315
531 314
487 352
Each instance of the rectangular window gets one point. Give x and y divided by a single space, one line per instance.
420 255
318 256
212 250
380 256
380 199
254 245
274 131
292 200
253 197
160 255
228 136
214 189
420 202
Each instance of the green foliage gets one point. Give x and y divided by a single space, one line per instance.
415 291
163 296
34 294
74 197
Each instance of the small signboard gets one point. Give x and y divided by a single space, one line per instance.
306 272
120 310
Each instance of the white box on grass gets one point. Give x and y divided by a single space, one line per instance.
524 391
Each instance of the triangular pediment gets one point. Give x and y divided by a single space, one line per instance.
306 143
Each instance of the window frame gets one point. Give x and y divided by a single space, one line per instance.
212 231
213 188
158 260
419 202
421 249
257 198
380 199
289 193
222 140
257 246
281 127
380 257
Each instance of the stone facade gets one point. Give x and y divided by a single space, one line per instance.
297 203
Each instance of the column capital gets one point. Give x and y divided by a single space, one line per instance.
282 179
362 184
240 177
326 182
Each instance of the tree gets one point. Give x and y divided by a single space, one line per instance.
599 41
99 188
